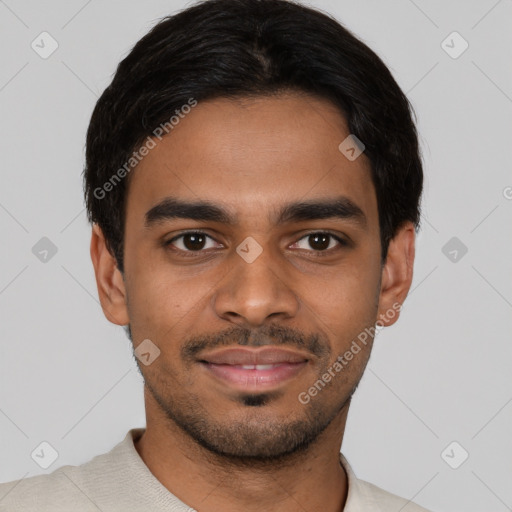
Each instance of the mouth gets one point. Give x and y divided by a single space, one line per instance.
254 369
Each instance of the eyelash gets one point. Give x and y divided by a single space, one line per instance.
341 241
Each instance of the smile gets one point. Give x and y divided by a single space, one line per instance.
254 376
254 368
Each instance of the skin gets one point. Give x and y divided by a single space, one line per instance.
251 156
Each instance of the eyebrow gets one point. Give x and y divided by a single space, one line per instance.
319 209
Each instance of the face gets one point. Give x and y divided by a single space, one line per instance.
248 229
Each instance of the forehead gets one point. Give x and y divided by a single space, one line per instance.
249 154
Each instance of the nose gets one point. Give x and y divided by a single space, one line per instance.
254 292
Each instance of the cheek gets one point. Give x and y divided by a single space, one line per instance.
164 305
346 310
348 296
154 300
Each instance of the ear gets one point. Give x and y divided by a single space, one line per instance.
397 274
109 280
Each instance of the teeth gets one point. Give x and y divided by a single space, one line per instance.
258 366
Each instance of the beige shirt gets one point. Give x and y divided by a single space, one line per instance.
119 481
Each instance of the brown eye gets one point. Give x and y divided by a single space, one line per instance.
194 242
320 241
191 242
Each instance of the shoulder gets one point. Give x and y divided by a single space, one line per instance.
385 501
79 488
53 492
366 497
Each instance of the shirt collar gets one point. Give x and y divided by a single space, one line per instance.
359 496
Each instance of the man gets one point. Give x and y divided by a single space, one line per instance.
253 178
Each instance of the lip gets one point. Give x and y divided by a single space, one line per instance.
279 366
247 356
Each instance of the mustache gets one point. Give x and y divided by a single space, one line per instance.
315 343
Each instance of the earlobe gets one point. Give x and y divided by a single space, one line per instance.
397 275
109 280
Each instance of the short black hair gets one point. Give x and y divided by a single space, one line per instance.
250 48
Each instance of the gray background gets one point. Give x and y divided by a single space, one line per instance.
441 374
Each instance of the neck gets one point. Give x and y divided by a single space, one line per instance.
314 479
